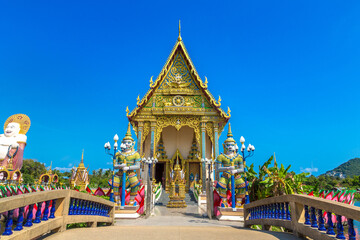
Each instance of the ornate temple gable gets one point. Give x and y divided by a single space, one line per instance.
178 90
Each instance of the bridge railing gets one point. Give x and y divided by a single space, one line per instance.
305 215
51 211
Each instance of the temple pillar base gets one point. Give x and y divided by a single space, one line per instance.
202 199
228 214
129 212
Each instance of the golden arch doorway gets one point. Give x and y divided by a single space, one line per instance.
181 144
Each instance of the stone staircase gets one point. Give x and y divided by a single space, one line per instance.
190 199
164 199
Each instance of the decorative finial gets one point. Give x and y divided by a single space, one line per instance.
50 170
127 110
206 82
82 157
128 134
219 100
179 38
228 111
138 100
229 132
151 81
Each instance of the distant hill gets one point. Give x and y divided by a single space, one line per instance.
348 169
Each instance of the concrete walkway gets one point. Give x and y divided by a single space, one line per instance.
167 233
175 224
171 223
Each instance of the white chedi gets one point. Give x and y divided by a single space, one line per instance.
11 138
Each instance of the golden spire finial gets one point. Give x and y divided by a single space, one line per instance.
128 134
50 170
82 157
179 38
229 132
127 110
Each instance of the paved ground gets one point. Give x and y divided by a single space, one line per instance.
175 224
167 232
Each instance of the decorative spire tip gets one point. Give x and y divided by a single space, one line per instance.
179 38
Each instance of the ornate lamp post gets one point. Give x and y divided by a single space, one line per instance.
150 162
250 149
107 147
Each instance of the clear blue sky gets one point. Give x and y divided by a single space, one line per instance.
289 70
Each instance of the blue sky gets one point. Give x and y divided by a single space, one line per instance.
289 70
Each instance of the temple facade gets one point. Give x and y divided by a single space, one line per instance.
178 120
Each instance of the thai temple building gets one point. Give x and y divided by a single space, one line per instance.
178 120
80 176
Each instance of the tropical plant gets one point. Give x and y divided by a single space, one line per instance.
274 181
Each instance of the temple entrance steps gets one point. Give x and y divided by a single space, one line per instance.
190 199
163 200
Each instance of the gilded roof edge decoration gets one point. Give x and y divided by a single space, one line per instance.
179 46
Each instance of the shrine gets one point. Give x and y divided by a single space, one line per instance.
80 176
178 120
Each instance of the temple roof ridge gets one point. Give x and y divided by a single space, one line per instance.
161 76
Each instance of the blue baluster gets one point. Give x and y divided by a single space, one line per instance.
313 218
321 221
339 228
261 212
53 208
97 209
81 211
283 216
86 212
29 216
71 207
288 216
272 211
277 213
94 208
266 211
250 214
351 231
83 202
307 217
9 223
20 220
257 213
46 211
330 229
38 213
91 208
85 207
79 207
75 211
